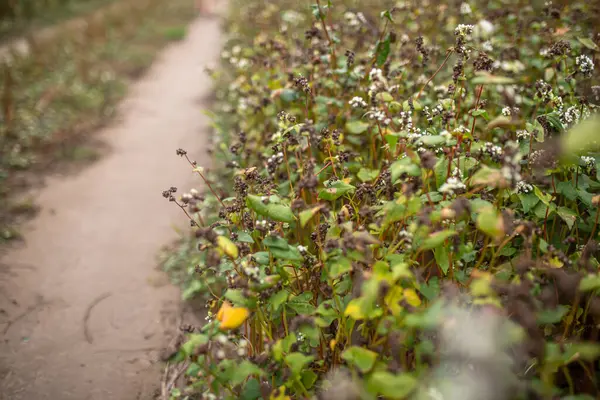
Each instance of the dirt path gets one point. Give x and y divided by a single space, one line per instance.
83 312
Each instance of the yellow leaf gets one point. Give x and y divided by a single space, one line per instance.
556 263
332 344
353 309
412 297
279 394
227 246
232 317
392 300
224 306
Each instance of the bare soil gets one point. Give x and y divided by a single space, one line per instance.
84 313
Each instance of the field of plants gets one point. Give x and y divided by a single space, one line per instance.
68 84
20 16
404 203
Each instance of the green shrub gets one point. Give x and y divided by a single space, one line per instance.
403 204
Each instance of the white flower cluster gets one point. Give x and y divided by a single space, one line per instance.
379 116
523 135
523 187
276 158
261 223
487 46
252 272
351 18
431 114
242 348
571 115
463 30
357 102
590 162
452 185
406 119
534 156
507 111
585 65
407 237
465 9
493 150
376 74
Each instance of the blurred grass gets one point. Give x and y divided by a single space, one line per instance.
69 84
45 15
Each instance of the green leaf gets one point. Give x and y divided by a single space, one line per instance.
280 248
366 175
335 191
236 297
242 371
404 166
277 242
490 222
307 215
589 43
442 258
437 239
544 197
528 200
384 96
488 176
432 140
549 316
279 212
386 14
391 386
362 358
297 362
251 390
278 299
568 215
383 50
275 211
194 340
590 282
309 378
244 237
289 95
485 78
339 267
356 127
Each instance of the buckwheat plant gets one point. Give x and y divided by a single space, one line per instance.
404 203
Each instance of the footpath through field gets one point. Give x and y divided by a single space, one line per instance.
83 312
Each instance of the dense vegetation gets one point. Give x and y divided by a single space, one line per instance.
68 84
18 15
405 203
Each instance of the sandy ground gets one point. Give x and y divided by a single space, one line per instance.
83 311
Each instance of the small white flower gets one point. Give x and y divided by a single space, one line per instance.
222 339
465 9
585 64
451 185
590 162
523 135
487 46
376 74
463 30
486 27
357 102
